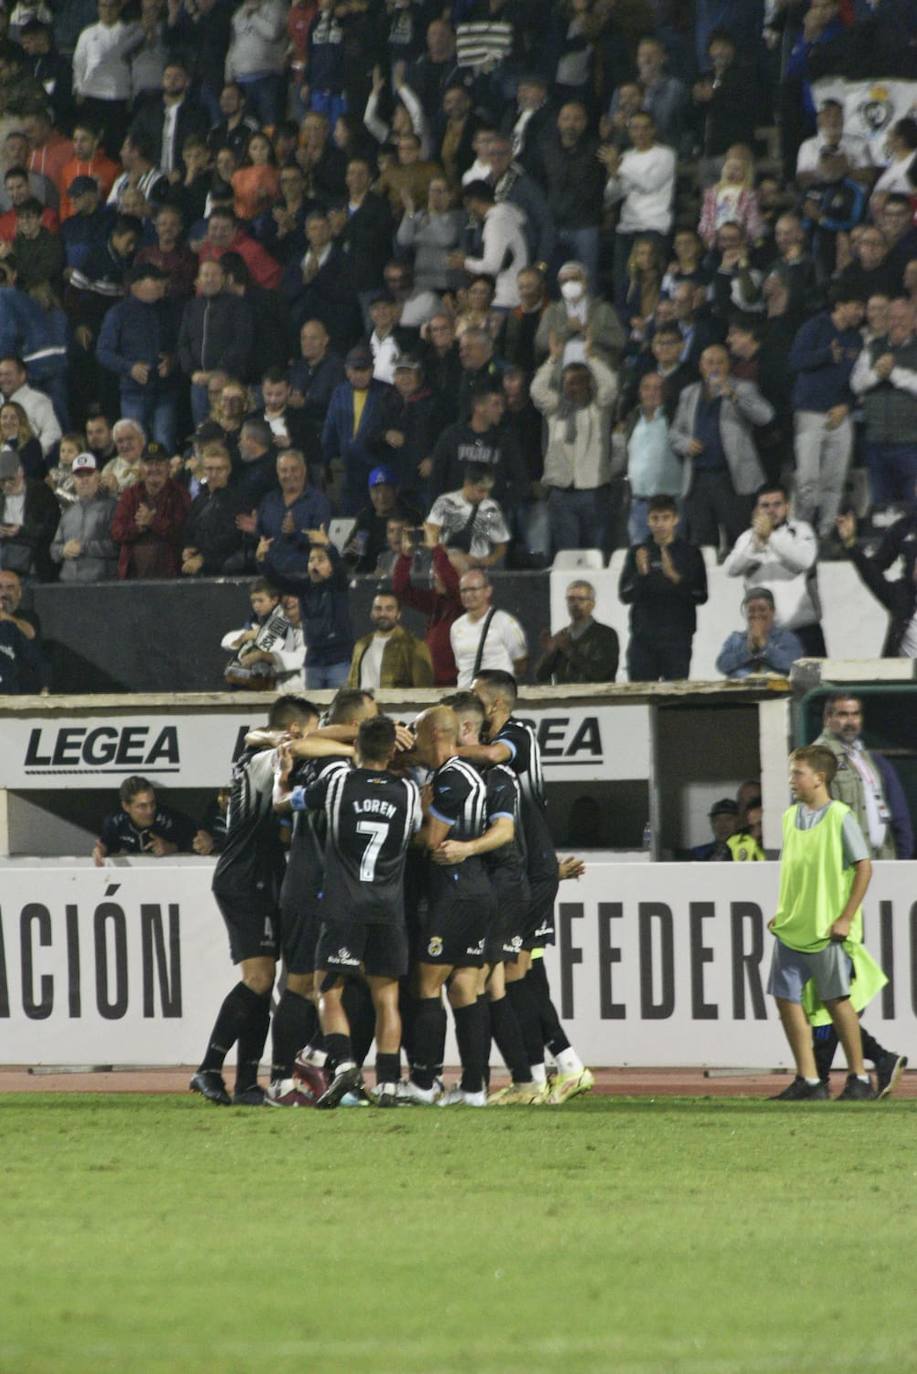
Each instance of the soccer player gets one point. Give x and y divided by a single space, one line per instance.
460 913
371 816
246 885
504 859
296 1022
824 874
513 743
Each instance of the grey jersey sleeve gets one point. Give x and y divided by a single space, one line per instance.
853 841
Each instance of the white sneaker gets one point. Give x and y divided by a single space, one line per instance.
409 1092
567 1085
286 1092
457 1097
385 1095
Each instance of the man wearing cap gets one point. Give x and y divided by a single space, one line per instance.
83 545
387 341
353 426
138 342
763 647
89 163
89 225
28 520
370 534
412 421
724 817
149 522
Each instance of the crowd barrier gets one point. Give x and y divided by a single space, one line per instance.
662 965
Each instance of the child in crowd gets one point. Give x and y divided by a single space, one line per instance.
61 475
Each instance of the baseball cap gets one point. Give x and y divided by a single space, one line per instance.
407 363
84 462
725 807
9 463
382 476
81 186
155 453
359 357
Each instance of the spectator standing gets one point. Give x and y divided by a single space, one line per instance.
713 433
149 522
390 656
168 119
257 55
779 554
576 401
504 249
433 233
37 405
370 537
511 182
440 602
583 651
314 376
642 180
353 427
138 342
324 606
485 637
83 544
101 70
577 318
212 539
575 184
865 780
486 442
653 468
885 377
294 508
88 161
764 647
470 522
898 596
725 98
823 356
215 335
663 581
29 517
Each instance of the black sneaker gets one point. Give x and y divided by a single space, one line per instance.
888 1071
856 1090
210 1084
801 1091
252 1096
344 1081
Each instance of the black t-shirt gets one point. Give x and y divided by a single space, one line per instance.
370 818
305 871
121 836
504 798
525 762
459 800
252 860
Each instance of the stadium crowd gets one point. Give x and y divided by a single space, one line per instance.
493 278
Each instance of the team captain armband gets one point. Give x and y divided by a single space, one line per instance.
298 799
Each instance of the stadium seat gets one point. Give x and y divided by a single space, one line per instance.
565 559
340 530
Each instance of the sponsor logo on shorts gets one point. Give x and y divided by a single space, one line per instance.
435 947
344 956
476 949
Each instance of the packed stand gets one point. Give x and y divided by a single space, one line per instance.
481 282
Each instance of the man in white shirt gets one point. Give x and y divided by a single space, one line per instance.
383 341
101 70
36 404
779 554
643 178
391 656
485 638
505 249
831 155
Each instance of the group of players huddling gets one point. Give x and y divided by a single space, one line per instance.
419 860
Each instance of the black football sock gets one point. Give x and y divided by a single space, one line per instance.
429 1040
505 1030
406 1005
484 1004
252 1039
294 1024
872 1050
552 1032
388 1068
235 1011
824 1047
523 1004
361 1014
340 1050
469 1034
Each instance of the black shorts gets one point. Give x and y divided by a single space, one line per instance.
456 933
381 948
252 927
300 926
539 925
507 932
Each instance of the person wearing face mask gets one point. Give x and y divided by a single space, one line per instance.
577 317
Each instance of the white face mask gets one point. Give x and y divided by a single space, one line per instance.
572 291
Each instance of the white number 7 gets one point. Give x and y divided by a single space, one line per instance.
378 833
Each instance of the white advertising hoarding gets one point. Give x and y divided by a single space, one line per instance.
656 965
195 749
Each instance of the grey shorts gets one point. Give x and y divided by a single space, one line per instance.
791 969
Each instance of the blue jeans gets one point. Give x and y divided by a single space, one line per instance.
583 246
200 404
579 519
265 97
157 413
332 104
331 675
892 473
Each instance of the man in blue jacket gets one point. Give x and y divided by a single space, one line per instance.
324 604
353 430
138 342
823 354
763 647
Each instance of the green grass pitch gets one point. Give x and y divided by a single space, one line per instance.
613 1235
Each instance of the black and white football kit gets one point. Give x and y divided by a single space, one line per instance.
121 836
541 860
460 902
249 871
506 868
370 818
300 895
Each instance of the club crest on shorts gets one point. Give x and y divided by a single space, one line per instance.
435 947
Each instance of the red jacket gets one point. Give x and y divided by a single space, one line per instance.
156 550
265 271
440 610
